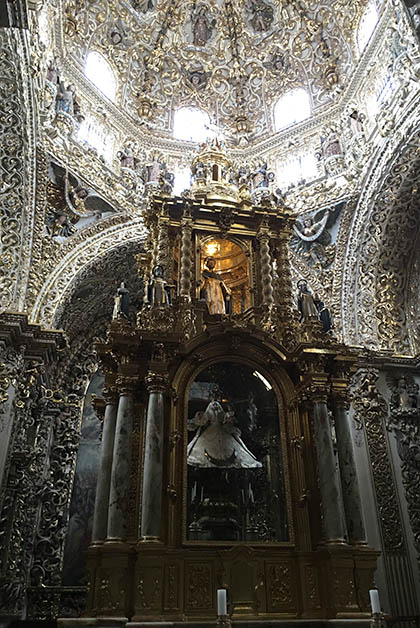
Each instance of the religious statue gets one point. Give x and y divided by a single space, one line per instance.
218 442
306 303
200 171
53 73
324 314
203 26
312 239
166 182
404 397
214 290
260 177
143 5
261 15
121 302
158 290
119 34
67 101
126 157
64 100
58 225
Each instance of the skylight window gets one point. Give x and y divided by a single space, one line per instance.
192 124
367 26
100 73
291 108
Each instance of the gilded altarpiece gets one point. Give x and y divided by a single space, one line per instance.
232 481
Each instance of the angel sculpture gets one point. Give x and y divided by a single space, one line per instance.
312 239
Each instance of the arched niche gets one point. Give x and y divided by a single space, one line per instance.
232 265
234 461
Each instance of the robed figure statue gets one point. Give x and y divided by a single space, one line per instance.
214 290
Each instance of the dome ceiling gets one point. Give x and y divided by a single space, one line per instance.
232 58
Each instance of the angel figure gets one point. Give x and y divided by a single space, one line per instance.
312 239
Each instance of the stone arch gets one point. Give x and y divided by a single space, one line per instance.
70 271
381 242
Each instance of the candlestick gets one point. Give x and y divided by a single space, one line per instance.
221 602
374 601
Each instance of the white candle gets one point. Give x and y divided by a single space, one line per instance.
221 602
374 601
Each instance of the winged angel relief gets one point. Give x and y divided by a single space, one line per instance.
311 238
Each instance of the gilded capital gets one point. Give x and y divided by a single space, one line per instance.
126 384
156 382
110 394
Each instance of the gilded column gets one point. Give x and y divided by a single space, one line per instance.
100 517
285 306
266 267
163 238
349 481
121 461
186 261
334 522
151 506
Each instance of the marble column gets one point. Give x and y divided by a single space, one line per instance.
334 523
121 465
349 481
100 517
151 506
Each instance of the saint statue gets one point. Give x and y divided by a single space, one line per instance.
218 441
214 290
121 302
306 303
158 290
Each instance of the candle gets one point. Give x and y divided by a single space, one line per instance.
374 601
221 602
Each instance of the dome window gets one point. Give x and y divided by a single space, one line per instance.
291 108
367 26
192 124
100 73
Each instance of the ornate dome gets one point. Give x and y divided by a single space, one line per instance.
232 59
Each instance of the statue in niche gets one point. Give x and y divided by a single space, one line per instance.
152 171
324 314
121 302
67 101
261 15
214 290
404 397
53 72
218 441
126 157
306 303
311 238
202 26
158 289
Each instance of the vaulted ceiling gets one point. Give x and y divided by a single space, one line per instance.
233 58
